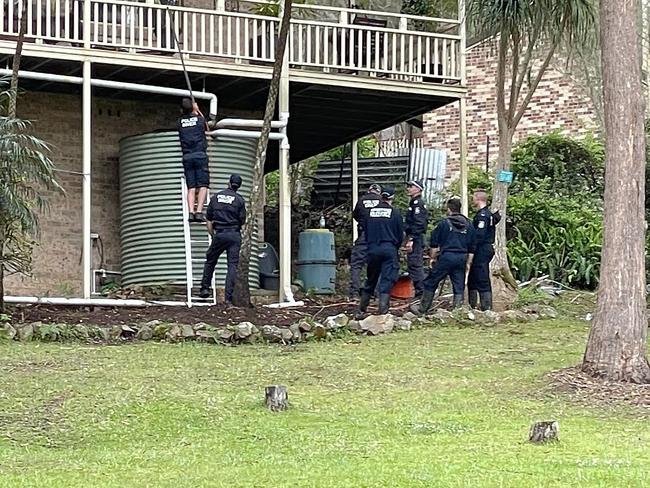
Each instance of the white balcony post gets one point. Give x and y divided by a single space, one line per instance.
86 25
87 177
463 107
463 154
221 5
462 32
285 292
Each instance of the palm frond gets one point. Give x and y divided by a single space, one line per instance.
26 176
570 20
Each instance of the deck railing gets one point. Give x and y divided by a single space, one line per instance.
327 39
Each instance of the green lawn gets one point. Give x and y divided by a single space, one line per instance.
437 407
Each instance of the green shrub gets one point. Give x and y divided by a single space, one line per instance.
555 220
570 165
568 249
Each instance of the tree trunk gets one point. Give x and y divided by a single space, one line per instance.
500 271
3 242
503 283
242 296
276 398
13 86
616 348
11 112
2 286
541 432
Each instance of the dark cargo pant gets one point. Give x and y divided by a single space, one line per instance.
449 264
479 273
358 259
223 240
383 268
415 262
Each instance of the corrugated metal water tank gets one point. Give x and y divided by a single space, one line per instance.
151 229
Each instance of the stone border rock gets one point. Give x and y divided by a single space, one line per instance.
247 333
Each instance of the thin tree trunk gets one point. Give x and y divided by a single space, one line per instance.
242 296
11 112
2 288
503 283
3 240
13 86
500 264
616 348
500 270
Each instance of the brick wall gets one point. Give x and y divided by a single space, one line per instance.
558 104
57 120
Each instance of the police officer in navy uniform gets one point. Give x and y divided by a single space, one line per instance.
194 144
416 227
384 235
452 244
478 281
359 253
226 215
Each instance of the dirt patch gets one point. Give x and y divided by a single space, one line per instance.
31 366
43 425
218 315
589 390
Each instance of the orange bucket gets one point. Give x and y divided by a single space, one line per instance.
403 288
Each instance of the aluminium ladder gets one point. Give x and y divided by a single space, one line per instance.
196 246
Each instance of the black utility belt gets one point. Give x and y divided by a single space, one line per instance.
226 229
195 154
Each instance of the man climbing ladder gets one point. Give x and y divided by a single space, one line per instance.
194 144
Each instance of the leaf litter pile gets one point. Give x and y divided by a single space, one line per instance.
588 389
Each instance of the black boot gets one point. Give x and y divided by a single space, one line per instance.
384 303
458 300
486 300
363 305
418 289
425 303
472 296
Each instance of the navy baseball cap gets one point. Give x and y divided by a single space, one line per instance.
388 192
235 181
416 183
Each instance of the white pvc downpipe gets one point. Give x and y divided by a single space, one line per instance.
88 302
273 136
120 85
86 121
286 293
161 90
249 123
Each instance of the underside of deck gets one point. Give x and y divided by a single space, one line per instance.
326 110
